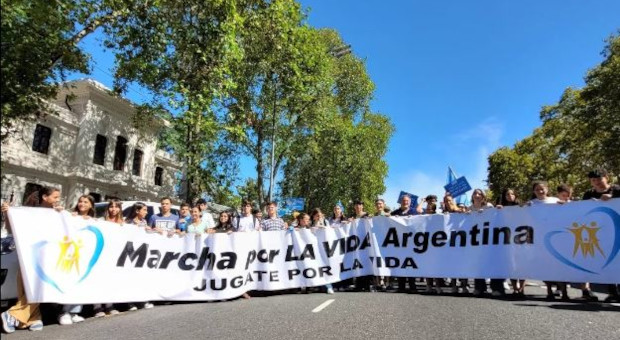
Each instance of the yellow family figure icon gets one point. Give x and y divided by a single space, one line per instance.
587 244
69 256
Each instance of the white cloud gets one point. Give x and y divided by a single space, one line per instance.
473 147
417 183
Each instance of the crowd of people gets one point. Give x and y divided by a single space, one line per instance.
197 220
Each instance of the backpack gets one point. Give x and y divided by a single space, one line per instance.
238 217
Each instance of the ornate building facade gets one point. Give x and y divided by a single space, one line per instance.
88 146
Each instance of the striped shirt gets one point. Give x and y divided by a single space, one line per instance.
272 223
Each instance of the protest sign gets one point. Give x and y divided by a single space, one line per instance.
291 205
458 187
69 260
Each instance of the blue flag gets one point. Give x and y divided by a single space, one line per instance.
461 198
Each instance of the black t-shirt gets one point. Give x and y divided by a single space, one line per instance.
401 212
614 190
223 227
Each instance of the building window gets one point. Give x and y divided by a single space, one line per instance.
120 153
30 188
137 162
159 174
100 146
41 141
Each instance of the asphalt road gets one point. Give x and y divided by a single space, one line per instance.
350 315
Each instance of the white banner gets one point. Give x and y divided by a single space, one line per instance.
70 260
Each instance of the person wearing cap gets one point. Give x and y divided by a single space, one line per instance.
405 210
207 219
602 190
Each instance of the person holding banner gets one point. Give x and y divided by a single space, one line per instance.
197 226
478 204
431 205
405 210
85 208
246 222
602 190
338 219
272 221
166 221
380 210
112 214
206 215
338 216
23 314
185 217
318 219
137 217
540 191
363 282
509 199
450 207
224 224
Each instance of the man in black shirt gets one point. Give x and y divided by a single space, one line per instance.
405 210
405 207
601 189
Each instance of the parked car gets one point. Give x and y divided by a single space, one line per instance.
8 275
153 208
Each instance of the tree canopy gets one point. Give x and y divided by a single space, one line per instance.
235 78
578 134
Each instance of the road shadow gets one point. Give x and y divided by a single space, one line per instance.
580 307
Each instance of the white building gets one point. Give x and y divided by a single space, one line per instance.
88 147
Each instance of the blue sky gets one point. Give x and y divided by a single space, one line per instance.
458 78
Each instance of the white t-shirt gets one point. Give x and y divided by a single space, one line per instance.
207 219
245 223
486 206
547 200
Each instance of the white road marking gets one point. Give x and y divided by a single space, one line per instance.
323 306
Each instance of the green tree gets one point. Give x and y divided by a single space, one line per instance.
279 85
579 133
347 142
40 45
184 58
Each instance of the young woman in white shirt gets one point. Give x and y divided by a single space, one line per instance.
540 195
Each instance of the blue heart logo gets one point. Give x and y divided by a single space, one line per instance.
593 243
68 259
